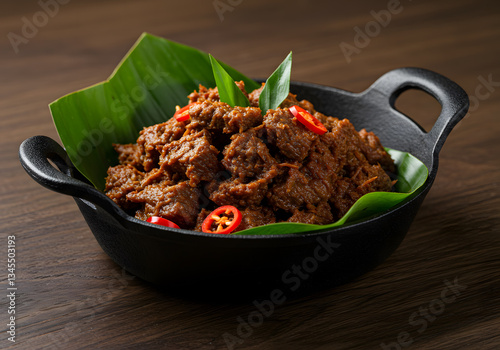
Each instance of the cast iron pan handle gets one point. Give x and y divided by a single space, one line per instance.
453 99
34 154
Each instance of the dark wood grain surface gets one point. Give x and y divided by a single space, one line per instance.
439 290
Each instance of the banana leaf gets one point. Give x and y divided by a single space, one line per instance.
155 76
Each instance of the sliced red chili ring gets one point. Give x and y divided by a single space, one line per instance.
222 220
182 114
161 221
309 121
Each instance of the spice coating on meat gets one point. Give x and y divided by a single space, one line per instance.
319 215
154 137
192 155
130 154
121 180
242 194
256 216
247 156
178 203
283 130
271 167
219 115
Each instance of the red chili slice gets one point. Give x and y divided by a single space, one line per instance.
222 220
161 221
182 114
309 121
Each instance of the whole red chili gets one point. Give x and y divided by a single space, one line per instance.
222 220
309 121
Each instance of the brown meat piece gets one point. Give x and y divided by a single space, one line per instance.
321 169
348 190
294 192
154 137
317 215
192 155
121 180
330 123
374 151
247 156
241 119
345 142
291 100
204 94
130 154
208 114
177 203
308 184
289 135
219 115
240 194
255 216
356 176
254 96
200 218
158 175
344 196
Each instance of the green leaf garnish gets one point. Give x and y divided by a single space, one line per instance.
277 86
229 92
412 174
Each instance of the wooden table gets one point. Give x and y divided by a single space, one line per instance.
439 290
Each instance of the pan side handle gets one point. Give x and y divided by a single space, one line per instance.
453 99
35 153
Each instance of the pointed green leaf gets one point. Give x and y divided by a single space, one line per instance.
229 92
277 86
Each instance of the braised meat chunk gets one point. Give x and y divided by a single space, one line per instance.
319 215
247 156
130 154
121 180
291 138
219 115
153 138
178 203
192 155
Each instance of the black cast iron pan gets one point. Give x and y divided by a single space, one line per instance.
296 263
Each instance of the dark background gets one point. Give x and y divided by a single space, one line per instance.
72 296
